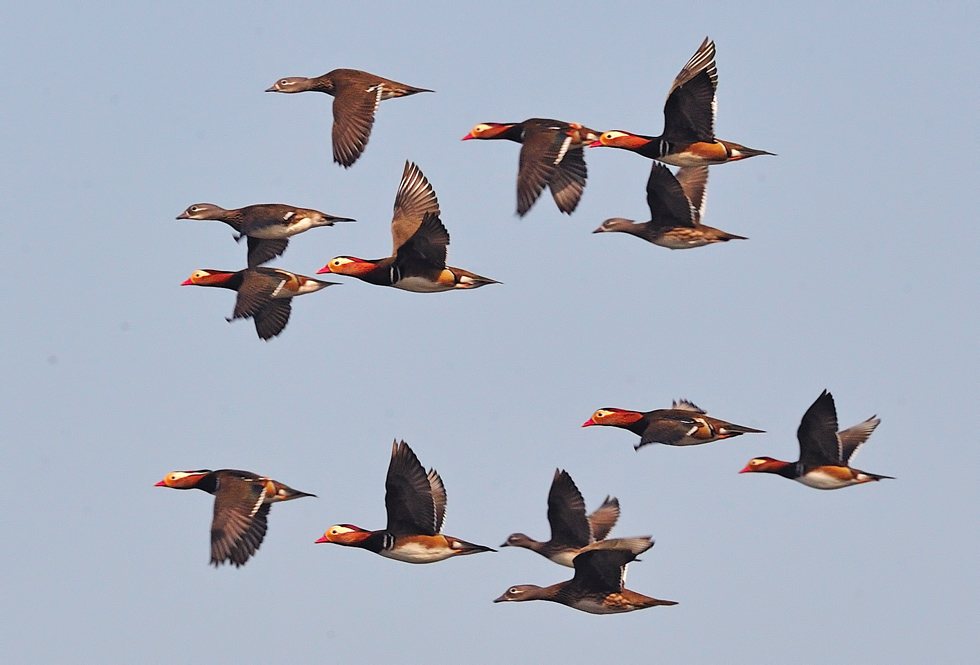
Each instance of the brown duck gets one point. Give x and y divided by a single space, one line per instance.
685 424
571 529
676 206
420 242
551 154
265 295
356 97
598 584
688 138
241 508
267 226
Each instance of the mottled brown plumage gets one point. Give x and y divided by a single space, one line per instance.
356 97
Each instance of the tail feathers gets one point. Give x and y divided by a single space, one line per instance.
725 237
731 429
462 547
868 477
741 152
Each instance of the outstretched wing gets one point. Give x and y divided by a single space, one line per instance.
543 148
669 205
408 495
354 106
852 438
261 251
271 319
414 200
239 522
693 181
689 113
568 180
604 518
566 513
427 246
819 443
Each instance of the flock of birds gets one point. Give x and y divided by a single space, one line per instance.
552 156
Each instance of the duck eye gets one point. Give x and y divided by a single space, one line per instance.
284 82
514 590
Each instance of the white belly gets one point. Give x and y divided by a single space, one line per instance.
421 285
417 553
824 481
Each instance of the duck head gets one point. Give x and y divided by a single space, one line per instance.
518 540
764 465
619 139
348 265
488 130
291 84
615 224
183 480
519 593
210 278
614 417
344 534
203 211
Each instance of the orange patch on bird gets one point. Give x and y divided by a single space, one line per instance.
712 152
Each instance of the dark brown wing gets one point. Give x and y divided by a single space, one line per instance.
667 426
427 246
239 522
819 444
604 518
408 495
354 105
438 498
258 285
852 438
568 181
544 146
566 513
260 251
271 319
415 199
693 181
601 570
689 113
669 206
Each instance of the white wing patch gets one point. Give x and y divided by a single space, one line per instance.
564 148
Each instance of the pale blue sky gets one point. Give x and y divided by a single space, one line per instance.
860 277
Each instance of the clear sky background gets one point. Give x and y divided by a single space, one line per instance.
860 276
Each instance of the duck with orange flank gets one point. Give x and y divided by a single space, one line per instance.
416 505
551 155
688 138
571 529
825 453
598 586
685 424
265 295
241 508
676 206
420 241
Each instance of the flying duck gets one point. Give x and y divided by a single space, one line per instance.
598 584
689 121
265 295
241 508
684 424
571 529
416 506
267 226
825 453
418 260
356 97
551 154
676 207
